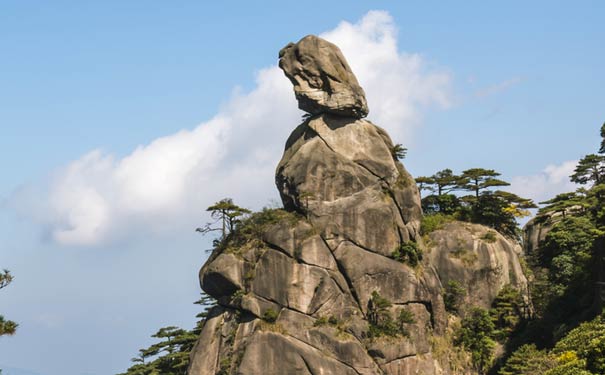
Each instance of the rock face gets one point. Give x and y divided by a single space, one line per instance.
341 174
534 232
478 258
322 79
298 290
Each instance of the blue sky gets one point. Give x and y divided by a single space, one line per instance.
122 121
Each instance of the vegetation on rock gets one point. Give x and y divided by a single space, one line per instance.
170 355
270 316
567 283
579 352
409 253
453 296
381 321
227 213
476 335
7 327
528 360
497 209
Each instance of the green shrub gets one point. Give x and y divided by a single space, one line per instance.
382 322
224 366
490 236
570 368
321 321
324 320
445 204
468 257
528 360
475 335
563 273
409 253
270 316
587 341
254 226
431 223
453 296
507 311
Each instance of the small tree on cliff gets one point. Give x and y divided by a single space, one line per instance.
399 152
7 327
170 355
227 213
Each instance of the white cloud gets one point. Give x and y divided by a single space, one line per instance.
398 85
552 180
167 184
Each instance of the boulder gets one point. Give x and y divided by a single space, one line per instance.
322 79
478 258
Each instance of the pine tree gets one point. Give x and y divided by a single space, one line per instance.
591 168
7 327
227 213
565 202
170 355
477 179
528 360
441 182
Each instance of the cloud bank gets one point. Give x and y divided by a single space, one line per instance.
167 183
552 180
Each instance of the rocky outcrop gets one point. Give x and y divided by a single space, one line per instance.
322 79
341 174
534 232
536 229
298 289
477 258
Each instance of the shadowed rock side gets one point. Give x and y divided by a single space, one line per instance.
535 230
297 299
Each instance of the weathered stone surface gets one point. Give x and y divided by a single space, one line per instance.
386 350
370 272
277 354
300 287
535 230
342 175
477 257
315 274
413 365
335 341
204 356
322 79
223 276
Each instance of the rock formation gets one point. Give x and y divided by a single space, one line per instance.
477 257
303 291
322 79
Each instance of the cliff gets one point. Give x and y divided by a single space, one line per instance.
336 282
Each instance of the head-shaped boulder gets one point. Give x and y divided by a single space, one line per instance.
323 81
